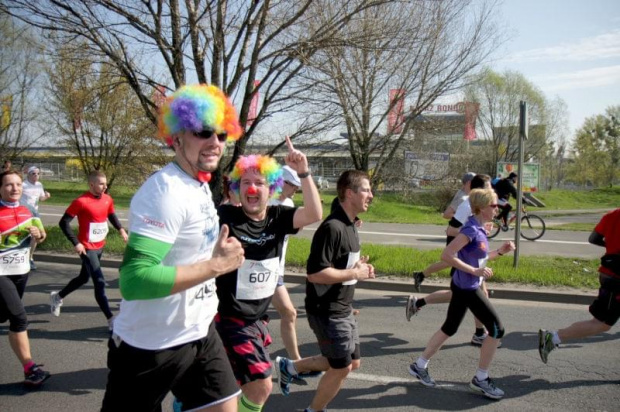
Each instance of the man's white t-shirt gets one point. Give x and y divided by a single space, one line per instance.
463 212
31 192
174 208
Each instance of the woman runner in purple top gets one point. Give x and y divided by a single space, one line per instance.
468 254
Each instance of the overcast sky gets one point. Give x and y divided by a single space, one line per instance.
568 48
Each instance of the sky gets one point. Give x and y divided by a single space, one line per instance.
568 48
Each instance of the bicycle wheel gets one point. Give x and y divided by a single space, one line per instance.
495 230
532 227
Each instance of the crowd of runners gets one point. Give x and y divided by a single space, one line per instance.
197 279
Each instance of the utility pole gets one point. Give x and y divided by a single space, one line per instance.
523 130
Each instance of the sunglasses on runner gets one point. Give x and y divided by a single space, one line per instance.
207 133
494 205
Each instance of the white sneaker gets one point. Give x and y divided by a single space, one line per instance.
55 303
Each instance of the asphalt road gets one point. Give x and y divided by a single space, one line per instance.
580 376
553 243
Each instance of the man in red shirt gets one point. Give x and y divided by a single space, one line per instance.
605 309
92 209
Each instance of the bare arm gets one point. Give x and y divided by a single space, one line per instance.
362 270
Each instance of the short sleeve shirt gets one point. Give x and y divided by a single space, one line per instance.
457 199
15 238
609 228
335 244
286 202
174 208
463 212
475 253
92 213
31 194
246 293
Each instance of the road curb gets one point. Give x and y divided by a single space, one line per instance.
379 284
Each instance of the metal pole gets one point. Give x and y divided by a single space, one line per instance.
523 130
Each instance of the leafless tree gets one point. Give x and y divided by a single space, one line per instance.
229 43
20 68
424 49
499 95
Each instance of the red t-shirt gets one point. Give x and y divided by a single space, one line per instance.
92 214
609 228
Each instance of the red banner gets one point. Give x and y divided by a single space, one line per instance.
471 114
253 105
396 117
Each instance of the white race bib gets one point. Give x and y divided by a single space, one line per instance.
257 279
15 262
353 258
97 232
200 299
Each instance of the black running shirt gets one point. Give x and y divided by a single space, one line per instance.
246 293
335 244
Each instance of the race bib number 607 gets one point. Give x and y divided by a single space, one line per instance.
257 279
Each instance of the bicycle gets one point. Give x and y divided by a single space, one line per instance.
532 226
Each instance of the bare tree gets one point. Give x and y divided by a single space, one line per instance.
423 49
499 96
227 43
99 117
20 67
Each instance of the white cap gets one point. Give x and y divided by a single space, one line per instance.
32 169
289 175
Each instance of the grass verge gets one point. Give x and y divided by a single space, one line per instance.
400 261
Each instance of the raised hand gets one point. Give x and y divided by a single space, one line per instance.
295 158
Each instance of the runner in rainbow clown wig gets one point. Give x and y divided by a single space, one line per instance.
246 293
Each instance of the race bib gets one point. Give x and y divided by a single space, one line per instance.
15 262
257 279
200 301
97 232
353 257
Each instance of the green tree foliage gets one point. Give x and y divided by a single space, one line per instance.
100 118
499 95
596 150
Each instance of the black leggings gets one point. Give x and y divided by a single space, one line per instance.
480 306
11 306
503 212
91 269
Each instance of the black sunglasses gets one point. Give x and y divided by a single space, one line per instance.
207 133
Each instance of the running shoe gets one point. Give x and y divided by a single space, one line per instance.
55 303
35 376
411 308
487 388
418 278
479 340
285 378
545 344
421 374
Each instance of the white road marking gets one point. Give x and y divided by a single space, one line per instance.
392 234
404 381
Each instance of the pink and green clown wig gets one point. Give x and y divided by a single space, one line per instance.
196 108
266 166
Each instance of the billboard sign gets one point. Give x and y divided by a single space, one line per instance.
530 178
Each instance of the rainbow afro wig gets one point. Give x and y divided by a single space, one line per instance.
196 108
266 166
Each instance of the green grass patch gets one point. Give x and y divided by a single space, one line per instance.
559 199
584 227
63 193
402 261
